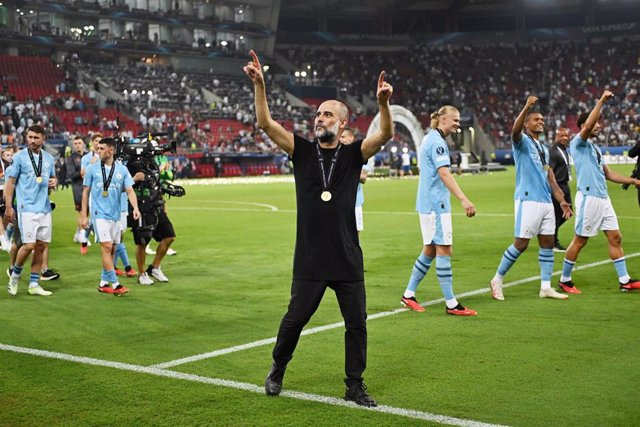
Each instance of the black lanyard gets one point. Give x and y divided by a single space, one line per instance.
36 169
326 180
106 181
597 152
540 150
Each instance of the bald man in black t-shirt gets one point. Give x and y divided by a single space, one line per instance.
327 250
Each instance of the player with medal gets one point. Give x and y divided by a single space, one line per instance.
534 213
104 182
31 175
327 252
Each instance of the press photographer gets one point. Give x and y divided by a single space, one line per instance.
635 152
139 157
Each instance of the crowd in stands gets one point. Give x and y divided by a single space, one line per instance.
215 113
494 81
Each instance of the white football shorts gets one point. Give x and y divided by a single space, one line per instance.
359 219
436 229
107 230
35 226
533 219
594 214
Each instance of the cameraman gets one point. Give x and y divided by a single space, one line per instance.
153 222
635 152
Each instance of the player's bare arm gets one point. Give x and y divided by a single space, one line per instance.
614 176
594 115
452 185
276 132
518 125
372 144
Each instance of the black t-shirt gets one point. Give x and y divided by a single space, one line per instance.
558 158
327 246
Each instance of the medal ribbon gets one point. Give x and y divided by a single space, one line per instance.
540 151
326 180
107 181
36 169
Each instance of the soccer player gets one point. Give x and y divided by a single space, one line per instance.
88 159
104 182
559 163
31 175
535 184
594 210
433 203
348 137
327 251
74 175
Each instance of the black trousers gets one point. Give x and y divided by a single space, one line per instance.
558 210
305 299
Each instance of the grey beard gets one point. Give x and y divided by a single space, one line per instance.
326 136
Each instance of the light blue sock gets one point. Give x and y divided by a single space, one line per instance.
104 277
111 276
445 276
33 280
121 252
420 268
545 258
621 268
509 257
567 268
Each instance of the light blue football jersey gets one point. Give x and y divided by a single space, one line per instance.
31 195
589 163
531 178
86 160
360 193
106 207
433 195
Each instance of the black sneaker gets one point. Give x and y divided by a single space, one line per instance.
273 382
358 393
50 274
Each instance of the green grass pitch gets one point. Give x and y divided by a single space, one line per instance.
524 361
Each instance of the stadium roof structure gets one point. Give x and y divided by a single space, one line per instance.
415 16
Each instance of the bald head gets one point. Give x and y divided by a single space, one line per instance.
331 118
339 108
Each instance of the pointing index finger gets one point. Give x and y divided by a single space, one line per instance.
256 62
381 79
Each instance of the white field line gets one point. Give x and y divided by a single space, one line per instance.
273 208
379 315
408 413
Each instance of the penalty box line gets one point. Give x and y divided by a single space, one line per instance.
391 410
272 340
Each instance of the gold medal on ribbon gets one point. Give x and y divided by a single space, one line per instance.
105 193
39 179
325 196
546 167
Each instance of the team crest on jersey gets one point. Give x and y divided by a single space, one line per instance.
46 164
118 176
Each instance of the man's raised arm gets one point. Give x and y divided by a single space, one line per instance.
371 145
276 132
594 115
516 130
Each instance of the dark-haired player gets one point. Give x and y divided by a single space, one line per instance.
535 184
594 210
